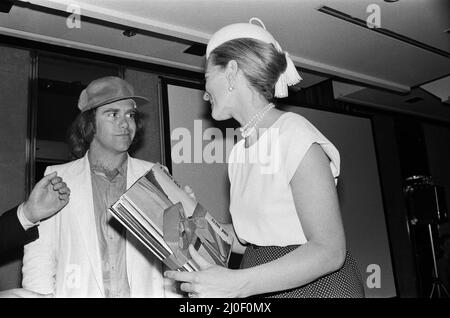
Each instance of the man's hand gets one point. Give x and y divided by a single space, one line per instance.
48 196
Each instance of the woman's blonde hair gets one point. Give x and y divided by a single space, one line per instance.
260 62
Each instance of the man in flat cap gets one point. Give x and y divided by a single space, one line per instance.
83 251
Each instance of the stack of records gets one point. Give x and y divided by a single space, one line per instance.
167 220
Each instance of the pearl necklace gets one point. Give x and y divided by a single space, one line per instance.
250 127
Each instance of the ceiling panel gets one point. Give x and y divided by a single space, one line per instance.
316 41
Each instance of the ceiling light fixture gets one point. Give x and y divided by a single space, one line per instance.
130 32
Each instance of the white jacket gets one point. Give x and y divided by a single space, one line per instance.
65 260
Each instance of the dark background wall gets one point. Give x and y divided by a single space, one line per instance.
147 84
14 75
394 205
437 143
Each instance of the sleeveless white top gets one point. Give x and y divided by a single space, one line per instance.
261 202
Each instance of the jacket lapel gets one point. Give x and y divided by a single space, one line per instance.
83 205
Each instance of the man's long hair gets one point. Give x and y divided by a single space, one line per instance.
82 131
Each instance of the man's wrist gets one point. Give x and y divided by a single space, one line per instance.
23 219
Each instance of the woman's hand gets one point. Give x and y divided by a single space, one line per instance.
212 281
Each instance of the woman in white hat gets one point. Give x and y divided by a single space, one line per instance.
283 200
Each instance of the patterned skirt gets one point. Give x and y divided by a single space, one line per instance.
343 283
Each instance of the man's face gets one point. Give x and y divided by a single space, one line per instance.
115 126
